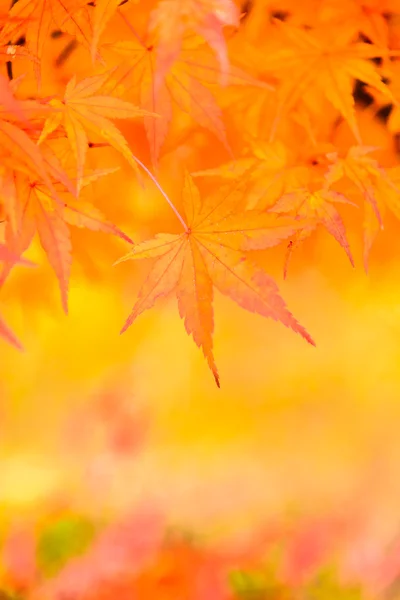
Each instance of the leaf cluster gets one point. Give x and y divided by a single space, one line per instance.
270 83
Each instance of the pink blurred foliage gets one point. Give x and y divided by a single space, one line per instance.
102 435
127 428
137 557
310 544
19 557
111 418
124 547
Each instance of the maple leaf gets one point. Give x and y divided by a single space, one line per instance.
81 111
172 18
190 86
368 17
273 170
387 194
32 208
54 236
326 62
317 208
363 171
24 153
267 172
8 255
103 12
211 253
9 102
377 187
81 213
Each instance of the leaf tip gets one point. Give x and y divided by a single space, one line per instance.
17 344
127 324
64 301
121 259
125 237
350 257
217 380
304 333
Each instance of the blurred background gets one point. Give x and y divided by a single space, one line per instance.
102 424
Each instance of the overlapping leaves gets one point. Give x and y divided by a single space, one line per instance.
276 119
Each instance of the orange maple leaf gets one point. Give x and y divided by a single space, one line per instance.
8 255
25 194
103 12
366 16
361 170
84 109
375 186
189 85
268 172
9 103
31 207
318 208
211 252
20 152
273 169
322 62
38 212
173 18
83 214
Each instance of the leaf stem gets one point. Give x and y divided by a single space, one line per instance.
160 189
133 30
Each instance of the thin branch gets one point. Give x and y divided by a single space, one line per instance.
97 145
160 189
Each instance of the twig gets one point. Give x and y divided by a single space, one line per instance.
158 186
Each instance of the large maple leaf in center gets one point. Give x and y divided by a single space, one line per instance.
212 252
